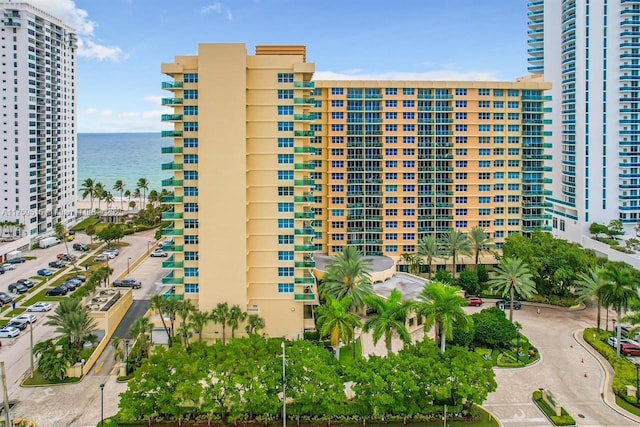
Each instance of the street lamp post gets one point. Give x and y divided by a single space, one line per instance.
101 405
284 388
518 345
637 382
128 265
31 345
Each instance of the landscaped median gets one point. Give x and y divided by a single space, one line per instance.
625 372
544 400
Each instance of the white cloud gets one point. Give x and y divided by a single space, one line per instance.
106 113
93 120
444 74
91 111
69 13
218 8
154 99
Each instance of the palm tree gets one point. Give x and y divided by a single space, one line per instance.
132 204
88 189
127 194
141 331
61 233
118 351
143 184
590 285
513 277
184 311
156 303
480 242
199 320
428 247
619 291
138 195
99 192
119 186
335 319
390 316
441 305
348 276
255 323
221 315
236 316
457 243
71 319
108 198
171 307
154 197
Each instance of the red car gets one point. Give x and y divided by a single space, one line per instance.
475 301
630 350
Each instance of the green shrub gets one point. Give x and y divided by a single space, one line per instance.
90 221
609 241
563 420
622 249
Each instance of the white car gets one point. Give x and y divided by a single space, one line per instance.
159 253
40 306
109 255
8 266
25 318
9 332
114 252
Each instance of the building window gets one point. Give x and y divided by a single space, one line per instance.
191 288
191 272
285 77
286 288
285 207
190 110
285 239
191 78
285 93
191 159
191 94
285 175
191 143
285 255
191 207
284 223
391 91
191 191
337 91
285 126
191 256
285 110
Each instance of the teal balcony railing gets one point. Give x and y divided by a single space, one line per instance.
305 297
171 117
171 85
171 182
171 133
171 166
172 199
172 232
168 216
172 101
171 150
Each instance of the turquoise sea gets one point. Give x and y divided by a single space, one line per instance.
107 157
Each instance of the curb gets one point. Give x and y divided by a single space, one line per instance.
606 391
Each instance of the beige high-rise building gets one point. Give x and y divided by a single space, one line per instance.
270 167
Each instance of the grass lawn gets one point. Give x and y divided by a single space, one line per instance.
627 406
82 225
39 379
346 353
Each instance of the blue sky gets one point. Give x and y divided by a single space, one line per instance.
123 43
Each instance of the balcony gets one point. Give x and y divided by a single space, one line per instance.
304 133
305 232
172 199
304 183
310 280
304 101
172 232
304 215
305 150
304 85
171 85
171 182
170 280
305 297
304 248
305 166
173 248
171 117
303 199
172 166
171 150
171 263
304 117
171 101
305 264
168 216
171 133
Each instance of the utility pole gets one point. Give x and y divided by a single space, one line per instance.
31 344
3 378
284 388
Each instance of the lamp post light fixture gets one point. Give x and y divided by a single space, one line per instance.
637 382
101 405
128 265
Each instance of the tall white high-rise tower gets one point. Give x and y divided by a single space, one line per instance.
38 134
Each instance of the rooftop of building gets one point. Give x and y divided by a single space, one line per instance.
410 286
378 263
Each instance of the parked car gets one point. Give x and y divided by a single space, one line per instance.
8 266
82 247
159 253
80 277
109 255
630 349
71 236
5 298
44 272
57 264
474 301
115 252
165 243
127 283
56 292
9 332
18 288
102 257
18 325
27 317
28 283
71 285
612 341
67 257
40 306
16 260
1 270
506 303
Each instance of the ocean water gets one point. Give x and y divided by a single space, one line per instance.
107 157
